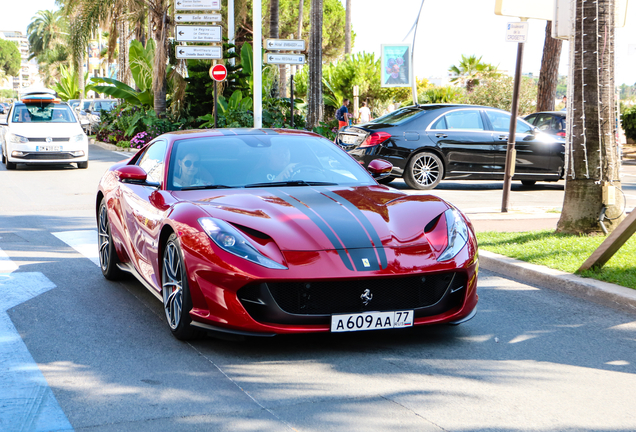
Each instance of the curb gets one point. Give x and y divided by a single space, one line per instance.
604 293
113 147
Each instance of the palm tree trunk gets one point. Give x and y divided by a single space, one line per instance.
348 28
592 154
314 92
159 82
273 34
549 75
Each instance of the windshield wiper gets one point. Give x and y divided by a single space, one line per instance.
206 187
290 183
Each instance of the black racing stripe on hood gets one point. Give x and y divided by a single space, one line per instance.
337 245
347 227
375 238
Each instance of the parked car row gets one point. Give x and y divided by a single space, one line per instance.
428 143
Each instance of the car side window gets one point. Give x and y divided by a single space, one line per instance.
440 123
152 161
464 120
544 122
532 119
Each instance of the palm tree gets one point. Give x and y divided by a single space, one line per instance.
591 154
314 92
161 24
348 28
47 34
273 33
47 29
549 75
470 70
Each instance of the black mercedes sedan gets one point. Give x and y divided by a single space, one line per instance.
428 143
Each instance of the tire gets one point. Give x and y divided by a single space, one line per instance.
4 159
82 165
177 302
386 180
528 182
424 171
11 165
108 258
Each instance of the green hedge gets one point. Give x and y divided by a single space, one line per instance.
628 119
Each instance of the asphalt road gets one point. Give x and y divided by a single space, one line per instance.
84 353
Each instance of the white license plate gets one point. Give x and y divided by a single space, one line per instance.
48 148
349 139
371 321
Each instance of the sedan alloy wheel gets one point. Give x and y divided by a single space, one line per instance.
424 171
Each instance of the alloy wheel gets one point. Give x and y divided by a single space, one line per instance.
172 284
427 170
103 238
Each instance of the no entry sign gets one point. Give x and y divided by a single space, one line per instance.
218 72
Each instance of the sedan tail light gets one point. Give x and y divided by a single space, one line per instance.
561 134
375 138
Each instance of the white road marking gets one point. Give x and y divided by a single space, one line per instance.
84 242
26 401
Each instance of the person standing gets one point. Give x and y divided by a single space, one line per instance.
365 113
342 115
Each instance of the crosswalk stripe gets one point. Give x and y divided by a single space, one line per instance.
26 401
84 242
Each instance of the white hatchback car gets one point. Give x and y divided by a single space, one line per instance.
41 129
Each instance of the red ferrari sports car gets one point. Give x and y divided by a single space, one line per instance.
263 232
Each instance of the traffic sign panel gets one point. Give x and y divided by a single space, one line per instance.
194 33
517 32
218 72
196 5
199 52
285 44
180 18
271 58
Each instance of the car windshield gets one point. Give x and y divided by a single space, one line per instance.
42 113
104 105
261 161
397 117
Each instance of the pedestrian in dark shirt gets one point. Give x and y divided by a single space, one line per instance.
342 115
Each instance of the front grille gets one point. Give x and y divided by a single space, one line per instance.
344 296
44 139
47 156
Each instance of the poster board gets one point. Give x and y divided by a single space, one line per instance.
396 69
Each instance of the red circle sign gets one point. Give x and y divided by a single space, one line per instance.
218 72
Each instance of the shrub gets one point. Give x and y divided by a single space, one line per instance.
628 120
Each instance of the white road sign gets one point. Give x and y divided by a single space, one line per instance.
194 33
517 32
271 58
181 18
631 49
199 52
285 44
197 5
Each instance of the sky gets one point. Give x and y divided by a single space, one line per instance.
447 29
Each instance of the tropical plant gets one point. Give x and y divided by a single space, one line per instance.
470 71
497 93
47 30
67 87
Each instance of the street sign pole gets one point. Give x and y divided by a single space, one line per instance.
511 152
291 88
216 106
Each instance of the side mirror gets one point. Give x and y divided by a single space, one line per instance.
135 175
379 168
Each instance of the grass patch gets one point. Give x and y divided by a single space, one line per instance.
563 252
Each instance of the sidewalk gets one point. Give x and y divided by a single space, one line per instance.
490 219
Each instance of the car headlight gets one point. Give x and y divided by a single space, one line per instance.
17 139
78 137
231 240
451 235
